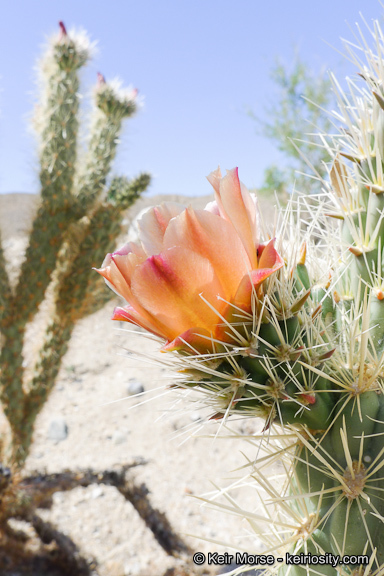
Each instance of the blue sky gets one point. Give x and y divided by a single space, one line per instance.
199 66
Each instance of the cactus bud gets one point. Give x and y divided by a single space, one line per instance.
63 29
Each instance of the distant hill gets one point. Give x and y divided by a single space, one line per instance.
17 209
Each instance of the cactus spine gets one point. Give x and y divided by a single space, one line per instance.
309 358
79 210
314 366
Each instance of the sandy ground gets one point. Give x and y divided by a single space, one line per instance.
106 429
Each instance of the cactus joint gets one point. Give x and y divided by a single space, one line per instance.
355 480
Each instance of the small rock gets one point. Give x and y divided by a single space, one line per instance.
58 430
119 437
115 568
195 416
58 497
134 387
97 492
132 569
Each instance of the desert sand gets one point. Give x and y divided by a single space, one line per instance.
106 427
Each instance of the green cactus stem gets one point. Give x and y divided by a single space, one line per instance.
79 210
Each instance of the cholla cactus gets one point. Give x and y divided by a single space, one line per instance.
286 325
77 212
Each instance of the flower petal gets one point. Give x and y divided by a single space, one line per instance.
240 208
169 286
214 179
128 257
104 271
117 271
118 274
212 207
243 298
125 264
269 257
193 340
133 247
214 239
129 314
153 224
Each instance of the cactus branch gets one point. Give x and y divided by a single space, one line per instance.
5 286
111 106
72 219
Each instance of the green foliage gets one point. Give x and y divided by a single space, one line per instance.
293 123
275 181
79 210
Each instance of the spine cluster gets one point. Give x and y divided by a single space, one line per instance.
80 209
309 358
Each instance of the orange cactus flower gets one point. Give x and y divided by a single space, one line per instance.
192 267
